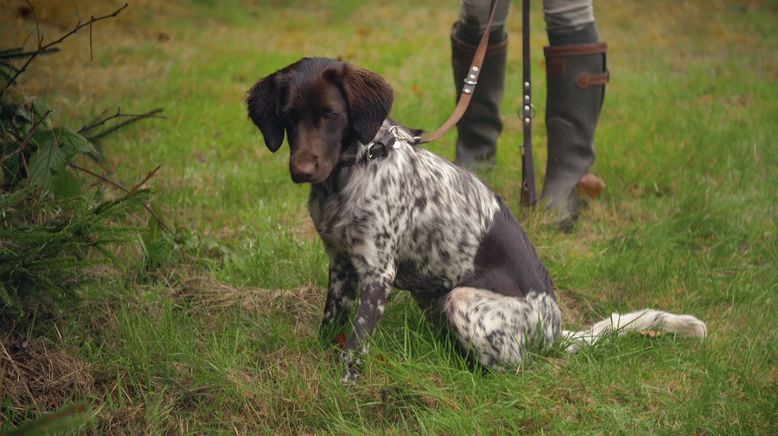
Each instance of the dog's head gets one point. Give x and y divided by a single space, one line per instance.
324 106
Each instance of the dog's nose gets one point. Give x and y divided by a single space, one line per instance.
303 171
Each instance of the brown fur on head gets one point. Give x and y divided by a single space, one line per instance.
324 106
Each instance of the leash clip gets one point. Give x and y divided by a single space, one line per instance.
400 135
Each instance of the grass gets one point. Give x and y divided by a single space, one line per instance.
218 335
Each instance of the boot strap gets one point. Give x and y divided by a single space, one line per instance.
575 50
586 80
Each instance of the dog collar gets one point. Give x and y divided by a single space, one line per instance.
377 149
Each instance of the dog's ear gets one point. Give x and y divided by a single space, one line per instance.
262 103
369 99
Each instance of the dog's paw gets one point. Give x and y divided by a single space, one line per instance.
353 363
349 377
686 326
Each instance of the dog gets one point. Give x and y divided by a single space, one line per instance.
394 215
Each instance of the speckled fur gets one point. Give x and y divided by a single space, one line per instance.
412 220
501 329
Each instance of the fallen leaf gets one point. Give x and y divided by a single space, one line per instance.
590 186
341 340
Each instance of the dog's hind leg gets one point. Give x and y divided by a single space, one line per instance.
646 319
502 329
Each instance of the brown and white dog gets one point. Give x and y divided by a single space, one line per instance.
393 215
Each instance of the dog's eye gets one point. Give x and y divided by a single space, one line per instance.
327 115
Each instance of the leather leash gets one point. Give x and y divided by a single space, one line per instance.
470 81
528 192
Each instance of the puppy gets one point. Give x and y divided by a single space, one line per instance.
393 215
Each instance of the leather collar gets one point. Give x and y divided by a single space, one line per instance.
377 149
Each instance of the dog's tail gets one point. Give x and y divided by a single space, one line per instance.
646 319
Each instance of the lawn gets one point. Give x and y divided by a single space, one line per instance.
215 332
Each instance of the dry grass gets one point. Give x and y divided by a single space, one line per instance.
207 297
40 376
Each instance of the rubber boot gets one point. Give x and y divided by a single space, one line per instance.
576 76
481 125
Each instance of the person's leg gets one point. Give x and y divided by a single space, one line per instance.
480 127
576 73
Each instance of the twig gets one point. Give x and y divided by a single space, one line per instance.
126 191
38 37
145 179
133 118
119 114
42 47
99 122
91 21
27 137
94 174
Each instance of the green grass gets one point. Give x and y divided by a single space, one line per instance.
221 336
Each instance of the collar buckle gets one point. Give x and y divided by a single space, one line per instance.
371 150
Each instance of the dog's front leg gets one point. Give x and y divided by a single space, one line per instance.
341 291
376 287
